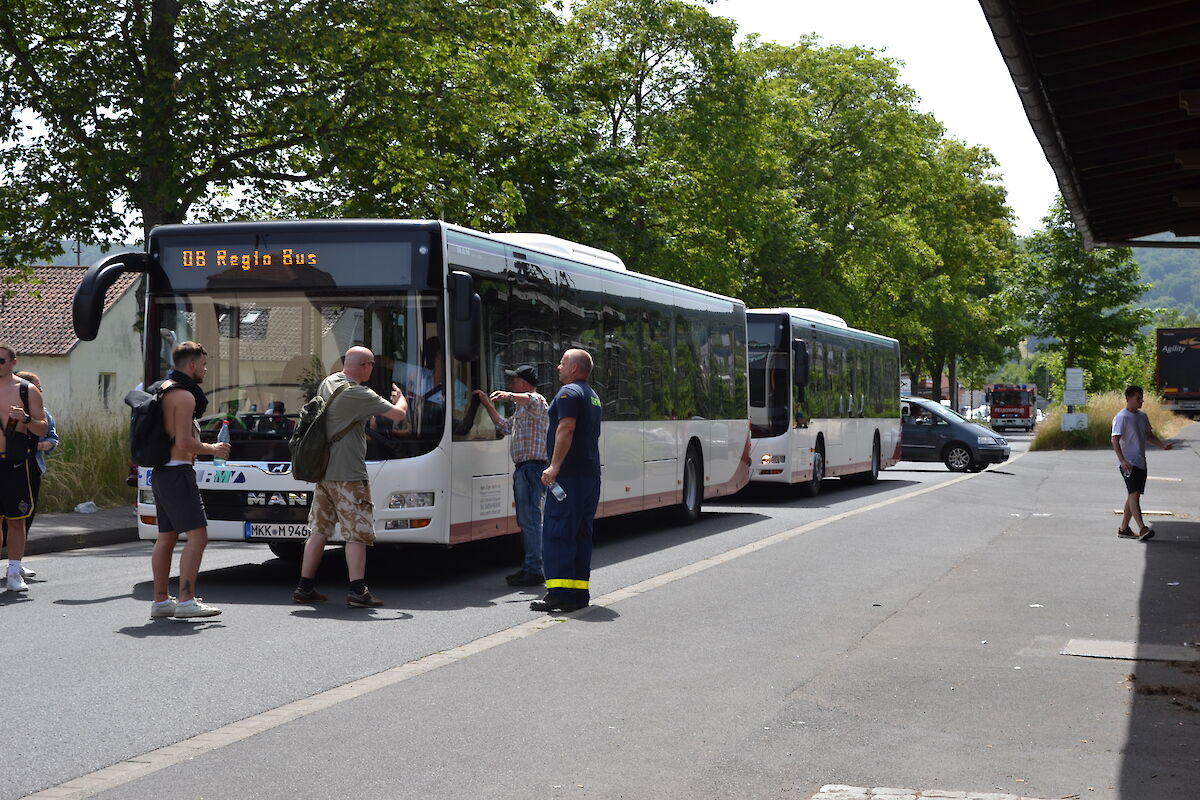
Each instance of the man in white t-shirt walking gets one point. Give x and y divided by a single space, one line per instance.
1130 430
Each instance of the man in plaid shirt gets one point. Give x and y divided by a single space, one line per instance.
526 430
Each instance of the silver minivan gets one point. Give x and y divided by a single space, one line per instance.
930 431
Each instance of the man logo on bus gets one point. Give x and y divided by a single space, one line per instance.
276 499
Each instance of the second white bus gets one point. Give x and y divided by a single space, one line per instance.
824 398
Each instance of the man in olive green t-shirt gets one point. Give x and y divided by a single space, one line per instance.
344 496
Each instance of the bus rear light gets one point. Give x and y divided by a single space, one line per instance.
146 497
148 520
405 524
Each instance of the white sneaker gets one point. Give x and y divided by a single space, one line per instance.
26 572
194 608
163 608
15 582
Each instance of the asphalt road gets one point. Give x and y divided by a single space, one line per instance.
905 634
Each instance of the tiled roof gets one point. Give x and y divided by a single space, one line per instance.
41 325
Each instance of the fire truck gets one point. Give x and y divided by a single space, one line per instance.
1013 405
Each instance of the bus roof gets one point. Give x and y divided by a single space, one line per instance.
821 318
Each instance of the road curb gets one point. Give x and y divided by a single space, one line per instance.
59 542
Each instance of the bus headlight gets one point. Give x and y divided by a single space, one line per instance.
146 496
410 500
768 458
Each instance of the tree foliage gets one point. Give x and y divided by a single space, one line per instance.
798 175
1081 301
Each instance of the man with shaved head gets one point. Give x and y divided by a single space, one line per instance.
573 441
343 497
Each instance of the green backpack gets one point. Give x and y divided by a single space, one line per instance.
309 445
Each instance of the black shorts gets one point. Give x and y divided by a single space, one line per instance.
1135 481
177 499
16 495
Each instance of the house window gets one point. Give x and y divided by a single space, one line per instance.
105 387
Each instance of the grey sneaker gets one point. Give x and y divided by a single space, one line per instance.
364 600
195 608
305 598
163 608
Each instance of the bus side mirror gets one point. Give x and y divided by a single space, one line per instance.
87 307
800 362
466 321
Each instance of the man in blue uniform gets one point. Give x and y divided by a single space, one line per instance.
573 440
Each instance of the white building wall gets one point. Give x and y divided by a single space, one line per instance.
72 382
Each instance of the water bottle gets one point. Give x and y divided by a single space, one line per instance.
222 438
558 491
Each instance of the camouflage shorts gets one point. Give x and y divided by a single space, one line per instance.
345 503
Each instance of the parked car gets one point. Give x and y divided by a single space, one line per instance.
931 432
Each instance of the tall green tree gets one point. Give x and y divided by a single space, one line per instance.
1082 301
170 110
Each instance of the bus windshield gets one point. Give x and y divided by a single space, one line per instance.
268 353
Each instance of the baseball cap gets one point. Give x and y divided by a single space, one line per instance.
525 372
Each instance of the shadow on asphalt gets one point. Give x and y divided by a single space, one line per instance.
1160 758
425 577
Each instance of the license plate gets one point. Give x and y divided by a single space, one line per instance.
276 530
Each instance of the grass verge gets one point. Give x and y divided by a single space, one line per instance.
1100 410
91 462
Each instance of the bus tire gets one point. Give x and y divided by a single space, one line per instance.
957 457
872 475
688 510
288 550
812 486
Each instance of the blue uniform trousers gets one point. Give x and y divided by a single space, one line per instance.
567 540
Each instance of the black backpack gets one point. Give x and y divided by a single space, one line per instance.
149 443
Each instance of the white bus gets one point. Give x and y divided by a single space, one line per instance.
446 310
824 398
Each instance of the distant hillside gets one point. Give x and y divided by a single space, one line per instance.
88 254
1175 274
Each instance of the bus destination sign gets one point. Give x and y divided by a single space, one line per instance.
294 260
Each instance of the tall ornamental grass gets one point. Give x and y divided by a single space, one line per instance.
91 461
1100 410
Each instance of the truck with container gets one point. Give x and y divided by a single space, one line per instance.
1177 371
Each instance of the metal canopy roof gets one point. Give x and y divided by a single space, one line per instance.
1112 90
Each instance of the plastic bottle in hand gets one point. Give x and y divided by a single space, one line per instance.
558 491
222 438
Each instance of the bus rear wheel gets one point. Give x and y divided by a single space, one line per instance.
688 510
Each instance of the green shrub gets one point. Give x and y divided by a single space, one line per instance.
1101 409
91 461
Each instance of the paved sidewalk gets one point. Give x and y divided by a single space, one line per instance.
54 533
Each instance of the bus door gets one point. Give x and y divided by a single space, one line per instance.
660 431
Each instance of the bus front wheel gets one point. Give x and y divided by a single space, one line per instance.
812 487
290 550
